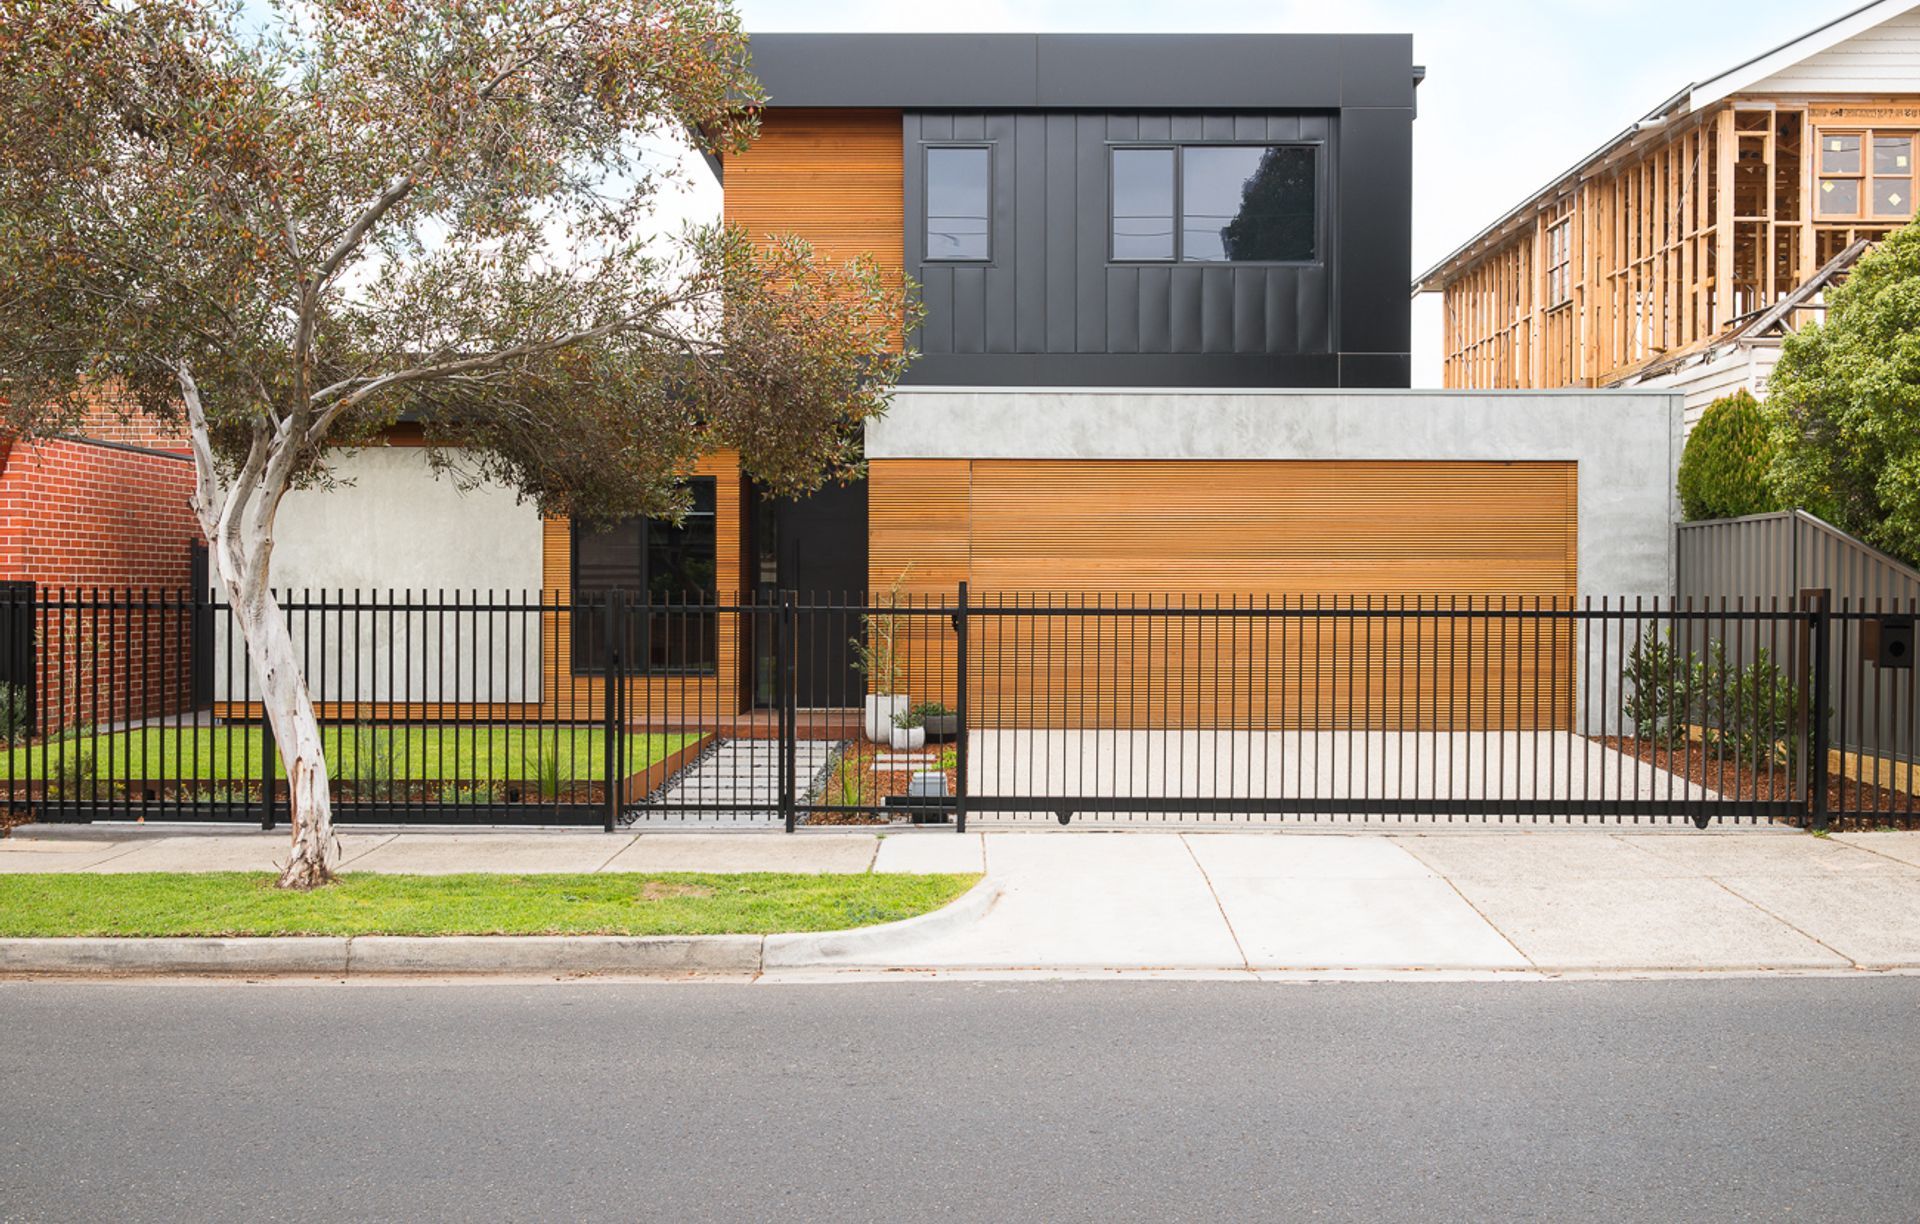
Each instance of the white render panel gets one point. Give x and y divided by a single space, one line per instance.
1626 444
392 525
1882 60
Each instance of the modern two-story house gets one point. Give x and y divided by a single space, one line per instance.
1165 351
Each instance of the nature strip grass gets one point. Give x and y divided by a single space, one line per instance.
403 753
153 904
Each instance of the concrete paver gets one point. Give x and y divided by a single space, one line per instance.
1129 900
1344 903
1517 855
1902 844
931 852
1739 854
746 852
1624 923
246 852
1873 920
516 853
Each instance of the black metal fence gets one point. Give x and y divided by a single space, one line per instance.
479 708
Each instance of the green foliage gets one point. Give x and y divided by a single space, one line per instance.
949 758
1724 470
1659 681
374 763
1746 714
1845 399
16 714
910 718
930 709
366 903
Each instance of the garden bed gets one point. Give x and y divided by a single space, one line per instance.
861 776
1739 780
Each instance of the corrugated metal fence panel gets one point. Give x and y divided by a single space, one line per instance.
1783 554
1765 556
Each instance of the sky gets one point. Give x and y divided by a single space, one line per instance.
1516 91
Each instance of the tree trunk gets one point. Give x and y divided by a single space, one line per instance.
289 710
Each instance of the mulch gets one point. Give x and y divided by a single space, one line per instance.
1739 780
879 783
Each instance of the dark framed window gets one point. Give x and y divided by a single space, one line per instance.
1143 203
667 575
1229 203
959 202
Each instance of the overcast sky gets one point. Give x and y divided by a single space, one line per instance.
1516 90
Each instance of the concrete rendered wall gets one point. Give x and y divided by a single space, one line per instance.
391 526
1626 444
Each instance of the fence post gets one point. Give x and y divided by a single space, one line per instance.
615 617
269 756
960 712
786 700
1821 600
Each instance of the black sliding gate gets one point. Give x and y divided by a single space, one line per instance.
483 708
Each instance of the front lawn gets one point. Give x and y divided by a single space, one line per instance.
407 753
367 903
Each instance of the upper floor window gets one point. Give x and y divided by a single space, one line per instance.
1216 203
959 191
1865 175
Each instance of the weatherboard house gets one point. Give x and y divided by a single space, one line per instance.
1165 349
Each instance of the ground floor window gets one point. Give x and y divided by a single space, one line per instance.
666 574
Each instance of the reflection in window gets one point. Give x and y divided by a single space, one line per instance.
1247 203
958 212
665 572
1143 203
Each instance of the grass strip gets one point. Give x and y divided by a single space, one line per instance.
153 904
399 753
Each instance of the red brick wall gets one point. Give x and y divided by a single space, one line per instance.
83 516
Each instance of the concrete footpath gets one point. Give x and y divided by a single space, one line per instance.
1509 902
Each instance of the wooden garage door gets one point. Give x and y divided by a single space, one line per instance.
1389 534
1275 528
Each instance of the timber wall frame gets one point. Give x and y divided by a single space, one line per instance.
1665 243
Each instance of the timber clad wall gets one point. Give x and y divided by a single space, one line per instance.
1252 532
831 176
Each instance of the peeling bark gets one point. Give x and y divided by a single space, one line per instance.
241 550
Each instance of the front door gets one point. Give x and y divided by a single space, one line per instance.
816 547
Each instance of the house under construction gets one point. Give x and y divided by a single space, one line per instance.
1678 253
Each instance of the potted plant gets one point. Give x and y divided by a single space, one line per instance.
942 724
909 733
874 658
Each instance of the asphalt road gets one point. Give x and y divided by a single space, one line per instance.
1716 1099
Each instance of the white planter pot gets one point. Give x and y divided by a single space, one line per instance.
880 712
908 739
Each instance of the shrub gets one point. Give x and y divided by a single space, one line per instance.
1748 713
1724 471
1660 683
1845 400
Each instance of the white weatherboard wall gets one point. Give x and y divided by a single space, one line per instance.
391 525
1882 60
1626 444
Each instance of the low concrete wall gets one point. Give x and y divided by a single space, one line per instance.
1626 444
391 525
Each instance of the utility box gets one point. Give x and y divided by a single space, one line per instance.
1887 641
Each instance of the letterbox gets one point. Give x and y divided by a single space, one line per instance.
1887 641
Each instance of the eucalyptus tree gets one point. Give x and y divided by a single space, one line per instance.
288 228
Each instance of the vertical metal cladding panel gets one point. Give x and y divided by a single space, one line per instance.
1050 286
